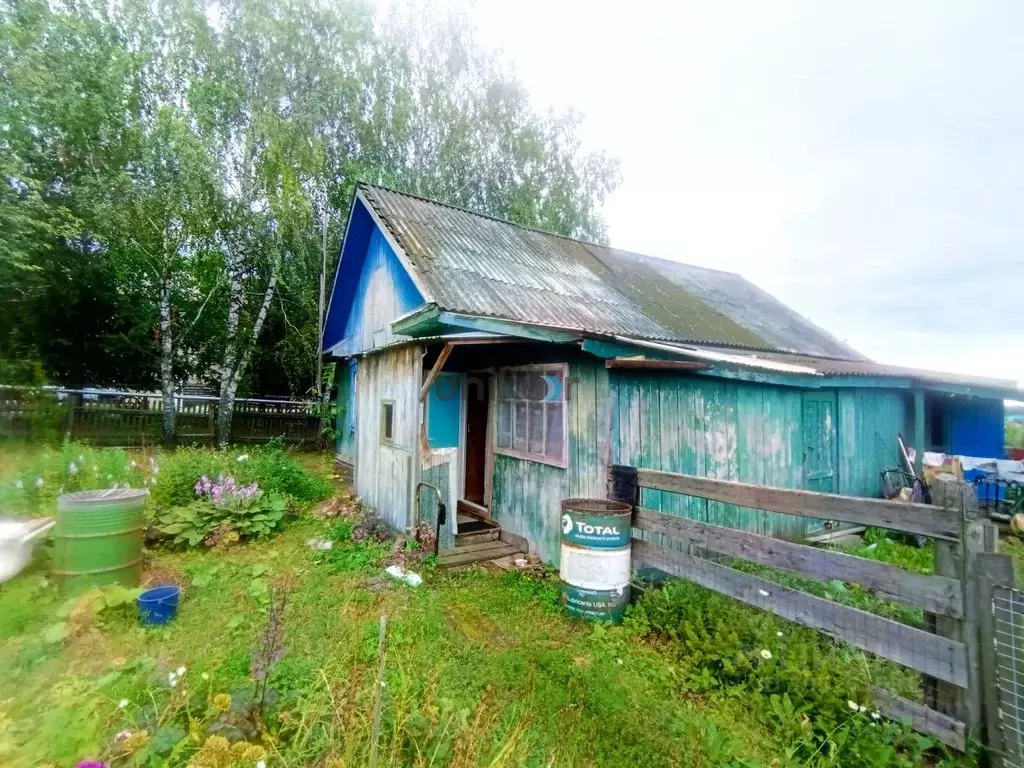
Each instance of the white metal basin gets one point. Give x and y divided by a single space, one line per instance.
17 541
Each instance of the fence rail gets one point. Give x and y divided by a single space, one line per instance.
131 418
952 652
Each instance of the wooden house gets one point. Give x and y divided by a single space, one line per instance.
508 367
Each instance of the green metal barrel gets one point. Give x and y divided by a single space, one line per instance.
98 538
595 558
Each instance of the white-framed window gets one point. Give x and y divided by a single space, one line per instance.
531 413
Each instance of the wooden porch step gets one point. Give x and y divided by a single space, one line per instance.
465 538
472 509
474 553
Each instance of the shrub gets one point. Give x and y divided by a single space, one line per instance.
223 513
276 471
811 691
42 474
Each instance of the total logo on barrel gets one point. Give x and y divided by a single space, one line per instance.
596 531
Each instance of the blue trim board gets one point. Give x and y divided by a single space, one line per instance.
365 252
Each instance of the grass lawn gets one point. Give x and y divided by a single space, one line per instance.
482 668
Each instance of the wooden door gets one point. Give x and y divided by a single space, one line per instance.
819 433
477 393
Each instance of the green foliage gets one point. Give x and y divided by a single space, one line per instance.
163 156
811 692
195 523
1015 434
42 473
277 472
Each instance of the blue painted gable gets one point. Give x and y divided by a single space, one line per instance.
371 288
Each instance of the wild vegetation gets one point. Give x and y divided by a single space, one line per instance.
176 176
274 653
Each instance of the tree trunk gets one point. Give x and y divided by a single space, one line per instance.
319 383
236 298
236 357
167 361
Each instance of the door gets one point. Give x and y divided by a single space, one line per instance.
820 457
820 454
477 393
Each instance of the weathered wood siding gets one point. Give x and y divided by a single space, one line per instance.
746 432
440 468
385 470
526 494
384 292
869 420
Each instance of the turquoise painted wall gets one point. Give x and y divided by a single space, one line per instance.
746 432
869 420
527 495
696 425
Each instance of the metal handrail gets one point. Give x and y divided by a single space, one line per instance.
442 512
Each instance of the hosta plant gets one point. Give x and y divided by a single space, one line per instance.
223 513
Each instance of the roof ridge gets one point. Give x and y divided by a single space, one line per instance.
479 214
588 244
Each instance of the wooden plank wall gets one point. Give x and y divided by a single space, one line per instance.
744 432
869 419
526 495
439 468
385 471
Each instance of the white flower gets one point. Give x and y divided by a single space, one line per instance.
39 482
180 671
72 469
243 457
173 683
766 654
618 661
172 678
205 676
862 708
778 634
875 716
133 464
261 764
122 703
853 705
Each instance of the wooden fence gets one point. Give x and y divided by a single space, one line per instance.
129 418
952 652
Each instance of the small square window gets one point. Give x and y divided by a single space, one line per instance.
387 421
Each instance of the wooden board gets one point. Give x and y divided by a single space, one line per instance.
929 654
936 522
937 594
946 729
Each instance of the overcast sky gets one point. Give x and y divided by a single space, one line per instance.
861 161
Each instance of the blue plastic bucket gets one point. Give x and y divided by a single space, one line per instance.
159 605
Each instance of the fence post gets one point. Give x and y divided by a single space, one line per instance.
71 403
939 695
991 571
979 537
622 484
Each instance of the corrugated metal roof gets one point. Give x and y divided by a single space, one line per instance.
475 264
783 363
